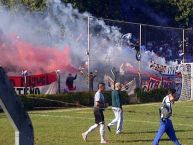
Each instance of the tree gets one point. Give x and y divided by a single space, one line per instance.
185 11
35 4
8 3
176 12
99 8
29 4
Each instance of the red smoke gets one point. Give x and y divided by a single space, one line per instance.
17 55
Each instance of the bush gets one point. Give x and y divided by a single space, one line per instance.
155 95
85 99
78 99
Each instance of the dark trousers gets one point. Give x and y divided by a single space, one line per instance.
99 116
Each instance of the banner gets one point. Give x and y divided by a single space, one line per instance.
155 83
167 70
35 84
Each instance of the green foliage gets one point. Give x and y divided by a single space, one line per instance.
177 10
83 99
8 3
32 5
35 4
155 95
99 8
79 99
159 6
185 10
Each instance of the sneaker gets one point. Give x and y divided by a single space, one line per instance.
118 132
109 128
104 142
84 137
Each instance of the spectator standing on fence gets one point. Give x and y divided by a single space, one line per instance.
91 81
70 82
99 106
117 109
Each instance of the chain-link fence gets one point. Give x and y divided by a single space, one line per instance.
101 50
188 45
126 51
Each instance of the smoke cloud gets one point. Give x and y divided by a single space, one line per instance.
57 39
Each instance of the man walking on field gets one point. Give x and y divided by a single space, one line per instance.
117 109
166 125
99 106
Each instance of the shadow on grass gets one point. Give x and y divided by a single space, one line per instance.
140 112
136 140
153 131
153 113
144 140
129 141
2 115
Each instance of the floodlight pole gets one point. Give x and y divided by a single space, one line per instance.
25 73
139 73
58 79
183 44
88 51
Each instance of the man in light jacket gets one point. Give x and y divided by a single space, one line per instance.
117 109
166 125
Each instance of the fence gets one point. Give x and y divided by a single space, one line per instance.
121 51
150 54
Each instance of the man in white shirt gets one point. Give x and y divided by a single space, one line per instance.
165 119
99 107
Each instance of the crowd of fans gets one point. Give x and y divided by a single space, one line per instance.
171 52
166 43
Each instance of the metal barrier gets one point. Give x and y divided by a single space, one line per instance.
14 109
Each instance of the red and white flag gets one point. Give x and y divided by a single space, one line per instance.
35 84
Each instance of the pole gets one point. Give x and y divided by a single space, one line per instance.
140 56
25 81
58 79
161 79
183 45
88 51
59 83
24 74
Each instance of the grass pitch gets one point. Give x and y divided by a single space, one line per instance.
141 122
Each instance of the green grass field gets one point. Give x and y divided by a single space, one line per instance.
64 127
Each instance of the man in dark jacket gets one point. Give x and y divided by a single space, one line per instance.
117 109
91 80
69 82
